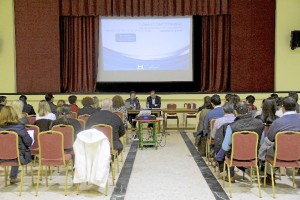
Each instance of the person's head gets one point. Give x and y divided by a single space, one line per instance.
106 104
294 95
65 111
279 102
153 94
288 104
207 102
18 106
216 100
49 97
228 108
44 108
72 99
241 108
8 116
234 99
268 110
227 97
60 103
96 102
250 99
117 101
87 101
132 95
3 100
274 95
23 98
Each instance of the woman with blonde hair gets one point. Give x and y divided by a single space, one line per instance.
18 106
118 105
59 104
44 111
9 121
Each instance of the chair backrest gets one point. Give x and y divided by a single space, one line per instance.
84 117
82 123
171 106
51 144
193 105
244 146
68 132
9 146
31 119
287 146
107 130
187 105
36 131
73 115
43 124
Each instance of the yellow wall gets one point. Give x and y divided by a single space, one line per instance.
287 61
7 47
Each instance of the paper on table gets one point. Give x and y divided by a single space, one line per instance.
31 134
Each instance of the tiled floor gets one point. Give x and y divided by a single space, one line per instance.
174 171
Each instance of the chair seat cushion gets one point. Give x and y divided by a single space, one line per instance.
58 161
282 163
241 163
34 151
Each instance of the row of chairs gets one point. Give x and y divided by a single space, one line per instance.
173 106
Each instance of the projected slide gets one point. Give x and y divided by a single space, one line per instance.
132 45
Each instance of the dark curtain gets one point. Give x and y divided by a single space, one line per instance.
215 53
79 53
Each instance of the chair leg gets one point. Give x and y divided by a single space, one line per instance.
224 170
66 180
251 172
272 177
22 176
78 188
279 170
106 188
177 123
38 180
229 178
258 181
46 171
32 179
265 174
294 171
5 175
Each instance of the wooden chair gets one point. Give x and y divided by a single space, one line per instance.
108 132
172 106
52 153
31 119
68 132
287 154
191 106
73 115
9 145
243 154
209 140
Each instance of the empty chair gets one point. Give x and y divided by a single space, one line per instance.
287 154
68 132
243 154
191 106
172 106
84 117
31 119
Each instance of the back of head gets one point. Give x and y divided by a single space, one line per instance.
294 95
87 101
23 98
2 99
289 104
72 99
49 97
207 102
234 99
274 95
227 97
60 103
65 111
241 108
44 108
268 110
8 116
216 100
228 108
106 104
96 102
117 101
250 99
18 106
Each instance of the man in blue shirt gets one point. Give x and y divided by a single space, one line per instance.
215 113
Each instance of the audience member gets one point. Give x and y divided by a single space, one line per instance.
105 116
274 95
227 97
234 99
27 108
119 106
18 106
295 96
206 104
243 122
66 119
72 101
96 103
268 114
87 103
9 121
59 104
50 98
215 113
153 101
134 104
44 111
3 101
290 121
279 111
250 99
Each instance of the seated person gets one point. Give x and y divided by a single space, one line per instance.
59 104
66 119
96 103
295 96
44 111
243 122
153 101
9 121
268 113
105 116
87 103
215 113
250 99
3 101
18 106
290 121
135 105
119 106
50 98
72 101
27 108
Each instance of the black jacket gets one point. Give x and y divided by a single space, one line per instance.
53 107
28 109
24 140
87 110
157 102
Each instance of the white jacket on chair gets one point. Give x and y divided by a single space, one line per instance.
92 157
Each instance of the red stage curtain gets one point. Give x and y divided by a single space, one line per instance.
215 53
79 53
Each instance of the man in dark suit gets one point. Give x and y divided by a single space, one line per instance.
105 116
27 108
153 101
